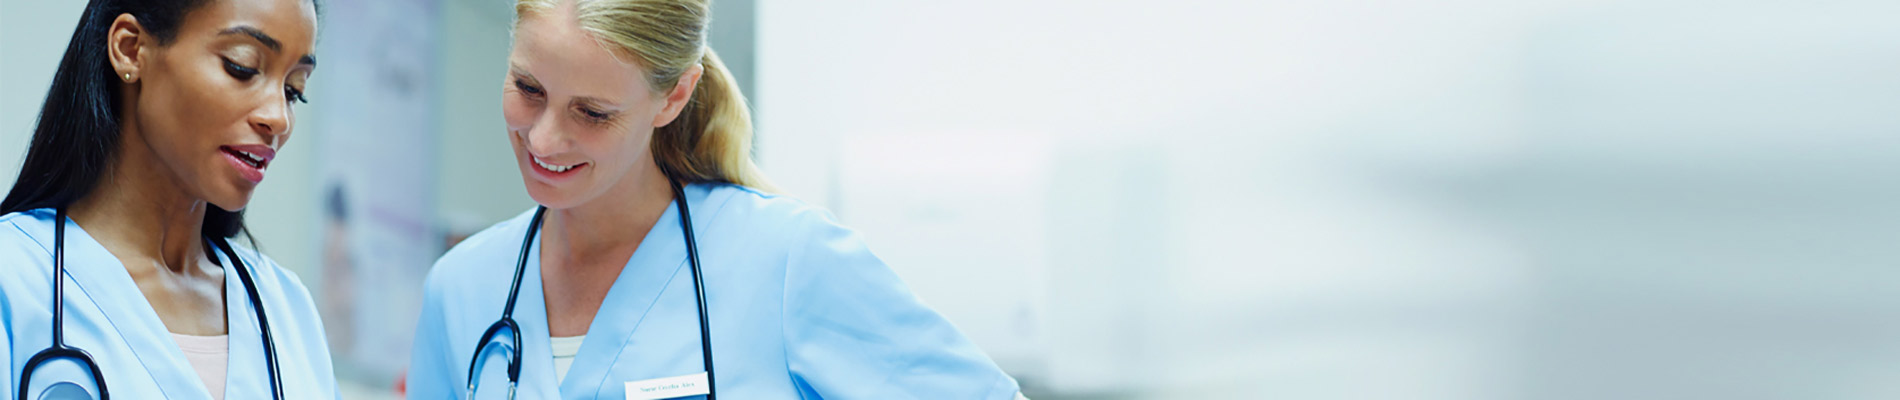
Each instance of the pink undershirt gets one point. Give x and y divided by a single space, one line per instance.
208 355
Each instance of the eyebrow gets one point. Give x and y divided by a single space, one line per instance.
519 72
593 102
253 32
267 40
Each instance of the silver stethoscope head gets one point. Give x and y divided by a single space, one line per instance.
511 390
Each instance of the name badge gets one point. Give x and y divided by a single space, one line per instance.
667 388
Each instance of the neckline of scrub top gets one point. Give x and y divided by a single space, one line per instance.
94 270
659 257
564 349
209 356
566 346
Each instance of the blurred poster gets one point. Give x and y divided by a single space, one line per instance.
376 143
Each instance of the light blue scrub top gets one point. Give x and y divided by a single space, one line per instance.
107 316
800 309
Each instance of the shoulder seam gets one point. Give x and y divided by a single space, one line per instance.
29 236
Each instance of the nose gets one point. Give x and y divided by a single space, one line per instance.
271 120
543 137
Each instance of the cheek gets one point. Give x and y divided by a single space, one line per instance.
182 110
519 112
626 148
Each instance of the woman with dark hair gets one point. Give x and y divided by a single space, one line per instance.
119 274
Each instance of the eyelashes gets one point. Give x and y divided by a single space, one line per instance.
294 95
245 74
588 114
531 90
596 116
240 72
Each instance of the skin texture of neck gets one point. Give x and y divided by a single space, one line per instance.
141 214
585 248
619 218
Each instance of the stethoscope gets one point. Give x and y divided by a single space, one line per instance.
60 350
507 322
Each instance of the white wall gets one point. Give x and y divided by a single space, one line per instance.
26 69
1461 199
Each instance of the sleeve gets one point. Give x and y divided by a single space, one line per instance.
11 249
6 347
431 375
853 330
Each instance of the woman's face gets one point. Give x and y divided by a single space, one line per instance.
579 117
213 106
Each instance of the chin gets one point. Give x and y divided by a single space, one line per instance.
551 196
232 202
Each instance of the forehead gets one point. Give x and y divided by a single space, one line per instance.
558 52
291 22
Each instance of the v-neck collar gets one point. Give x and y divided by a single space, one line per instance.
103 280
247 338
647 273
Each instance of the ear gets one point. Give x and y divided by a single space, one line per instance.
677 98
125 42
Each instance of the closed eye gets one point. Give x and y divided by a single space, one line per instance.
594 115
240 72
524 87
294 95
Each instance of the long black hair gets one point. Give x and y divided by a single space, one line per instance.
78 128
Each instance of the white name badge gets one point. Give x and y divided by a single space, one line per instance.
667 388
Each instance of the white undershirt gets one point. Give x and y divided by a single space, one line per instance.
564 350
208 356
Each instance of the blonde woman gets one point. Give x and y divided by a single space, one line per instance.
655 266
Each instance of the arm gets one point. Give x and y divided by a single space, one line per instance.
431 373
853 330
6 347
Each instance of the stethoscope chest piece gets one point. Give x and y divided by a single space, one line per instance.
65 391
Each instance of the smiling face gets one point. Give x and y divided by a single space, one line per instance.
579 117
213 105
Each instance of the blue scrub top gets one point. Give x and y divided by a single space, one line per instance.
799 309
107 316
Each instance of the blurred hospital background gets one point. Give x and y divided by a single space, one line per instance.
1285 199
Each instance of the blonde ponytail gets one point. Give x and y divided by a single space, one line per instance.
711 140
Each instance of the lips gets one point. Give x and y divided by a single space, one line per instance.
553 168
249 160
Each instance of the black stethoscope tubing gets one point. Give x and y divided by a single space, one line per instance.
507 320
60 350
